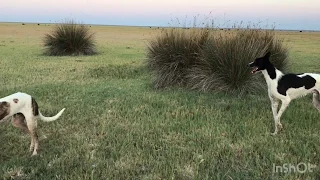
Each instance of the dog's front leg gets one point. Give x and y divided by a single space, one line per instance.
274 106
284 105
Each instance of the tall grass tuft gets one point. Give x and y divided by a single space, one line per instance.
223 63
213 59
173 52
70 38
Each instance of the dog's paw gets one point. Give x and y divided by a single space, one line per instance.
274 133
280 126
34 153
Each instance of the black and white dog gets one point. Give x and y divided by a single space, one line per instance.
284 87
24 109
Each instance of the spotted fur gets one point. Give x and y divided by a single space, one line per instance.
283 87
24 109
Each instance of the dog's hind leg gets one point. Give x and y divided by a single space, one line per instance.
34 138
315 99
32 125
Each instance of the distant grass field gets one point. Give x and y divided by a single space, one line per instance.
116 126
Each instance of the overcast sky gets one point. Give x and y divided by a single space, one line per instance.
284 14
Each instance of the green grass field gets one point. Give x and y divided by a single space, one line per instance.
116 126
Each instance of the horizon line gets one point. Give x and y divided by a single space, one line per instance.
123 25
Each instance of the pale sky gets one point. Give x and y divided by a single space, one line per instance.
284 14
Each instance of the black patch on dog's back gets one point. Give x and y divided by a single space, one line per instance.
293 81
35 107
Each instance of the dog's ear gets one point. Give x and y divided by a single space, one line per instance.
267 55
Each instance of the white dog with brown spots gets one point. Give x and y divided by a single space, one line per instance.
24 109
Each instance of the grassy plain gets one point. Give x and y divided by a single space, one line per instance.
116 126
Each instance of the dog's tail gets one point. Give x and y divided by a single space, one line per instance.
53 118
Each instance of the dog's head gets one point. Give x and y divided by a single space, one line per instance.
260 63
4 109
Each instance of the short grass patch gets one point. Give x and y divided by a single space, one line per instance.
117 71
